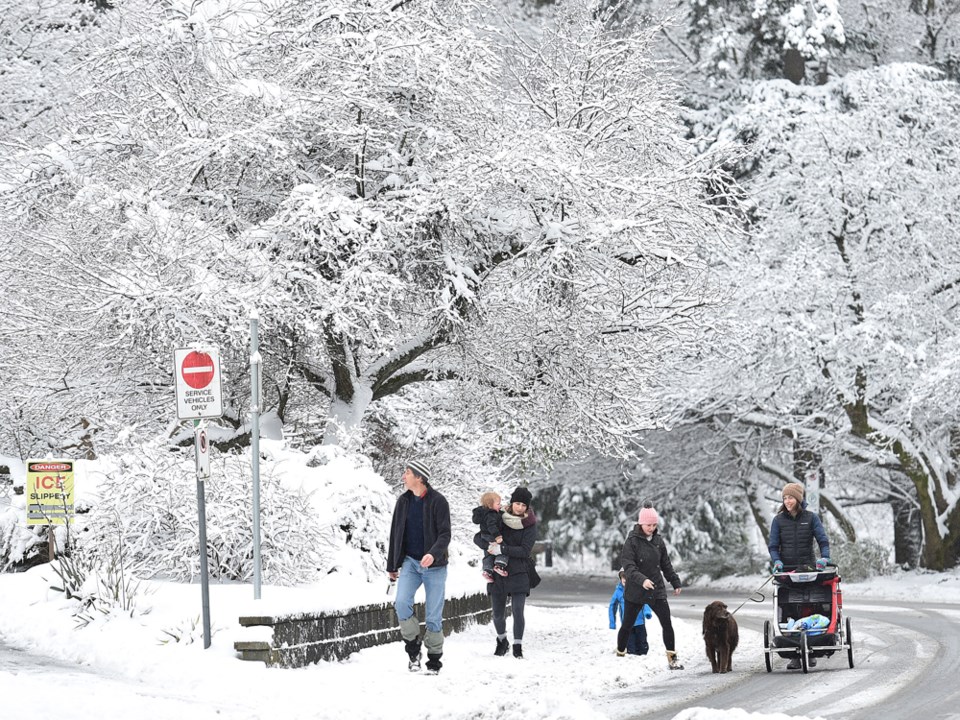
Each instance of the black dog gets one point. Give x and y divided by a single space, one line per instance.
720 635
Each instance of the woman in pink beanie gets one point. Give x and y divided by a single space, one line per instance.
645 563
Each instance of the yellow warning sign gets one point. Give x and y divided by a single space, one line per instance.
49 492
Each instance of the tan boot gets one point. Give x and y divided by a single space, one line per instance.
673 662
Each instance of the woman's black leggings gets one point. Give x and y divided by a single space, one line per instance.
630 611
499 602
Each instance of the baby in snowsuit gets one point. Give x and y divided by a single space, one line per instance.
487 516
637 640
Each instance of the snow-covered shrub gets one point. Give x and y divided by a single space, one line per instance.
98 581
18 543
860 560
720 563
591 519
710 539
320 512
187 632
596 504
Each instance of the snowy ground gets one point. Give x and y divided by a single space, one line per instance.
132 671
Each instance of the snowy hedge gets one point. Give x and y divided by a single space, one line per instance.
321 512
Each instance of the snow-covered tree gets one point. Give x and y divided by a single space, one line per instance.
41 44
940 30
848 294
590 504
405 191
764 38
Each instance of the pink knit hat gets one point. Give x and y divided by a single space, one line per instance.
648 516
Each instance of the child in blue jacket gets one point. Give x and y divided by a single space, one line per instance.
637 641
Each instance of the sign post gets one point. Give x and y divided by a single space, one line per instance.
812 493
255 395
201 435
200 396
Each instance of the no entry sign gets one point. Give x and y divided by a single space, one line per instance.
197 372
197 369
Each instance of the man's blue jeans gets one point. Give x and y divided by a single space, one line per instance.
434 581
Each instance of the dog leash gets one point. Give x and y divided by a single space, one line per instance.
751 596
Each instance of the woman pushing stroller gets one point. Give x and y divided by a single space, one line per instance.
792 533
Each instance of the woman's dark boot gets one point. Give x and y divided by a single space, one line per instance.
518 650
502 646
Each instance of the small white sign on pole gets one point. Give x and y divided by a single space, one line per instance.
812 493
199 391
203 452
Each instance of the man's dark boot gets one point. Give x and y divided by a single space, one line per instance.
433 663
502 646
413 652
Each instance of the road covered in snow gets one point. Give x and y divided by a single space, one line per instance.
907 662
907 659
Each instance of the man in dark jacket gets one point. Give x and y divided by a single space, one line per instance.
417 555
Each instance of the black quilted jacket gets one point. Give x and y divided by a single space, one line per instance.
642 559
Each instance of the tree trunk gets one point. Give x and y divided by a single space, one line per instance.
794 66
845 525
939 551
806 463
808 471
749 490
907 536
939 519
345 416
823 72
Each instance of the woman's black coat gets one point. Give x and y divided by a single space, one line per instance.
518 546
642 559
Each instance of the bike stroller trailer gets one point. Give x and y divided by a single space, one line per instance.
808 620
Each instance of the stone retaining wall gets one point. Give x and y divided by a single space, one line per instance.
306 638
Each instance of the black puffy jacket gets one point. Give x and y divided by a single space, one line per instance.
642 559
792 536
489 521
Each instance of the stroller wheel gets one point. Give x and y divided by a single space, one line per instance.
804 652
848 641
766 645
